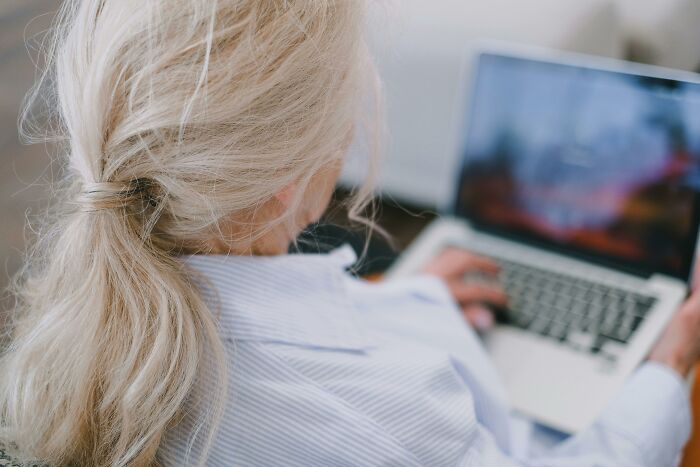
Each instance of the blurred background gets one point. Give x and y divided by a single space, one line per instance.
23 180
421 52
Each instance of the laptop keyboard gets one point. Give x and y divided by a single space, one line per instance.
585 315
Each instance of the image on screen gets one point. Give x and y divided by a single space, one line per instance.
601 162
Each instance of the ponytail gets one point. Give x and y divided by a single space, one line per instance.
106 347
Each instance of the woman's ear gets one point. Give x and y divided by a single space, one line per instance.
286 194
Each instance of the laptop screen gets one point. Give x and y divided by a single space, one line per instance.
597 163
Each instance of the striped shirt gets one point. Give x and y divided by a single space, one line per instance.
329 370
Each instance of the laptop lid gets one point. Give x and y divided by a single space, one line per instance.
598 162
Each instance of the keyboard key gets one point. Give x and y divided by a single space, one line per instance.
522 320
580 340
636 321
558 331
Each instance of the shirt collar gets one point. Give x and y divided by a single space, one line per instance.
297 298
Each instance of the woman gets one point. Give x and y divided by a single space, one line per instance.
159 319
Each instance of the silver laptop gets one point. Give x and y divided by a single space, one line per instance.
581 177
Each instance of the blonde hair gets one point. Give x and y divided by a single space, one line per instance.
174 116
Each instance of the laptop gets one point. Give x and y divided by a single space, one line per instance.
581 177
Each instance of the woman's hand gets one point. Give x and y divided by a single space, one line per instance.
679 345
452 265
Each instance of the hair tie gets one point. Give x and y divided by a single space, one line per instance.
99 196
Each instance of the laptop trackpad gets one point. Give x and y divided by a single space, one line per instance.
549 382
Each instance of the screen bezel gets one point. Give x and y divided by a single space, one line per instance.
520 235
